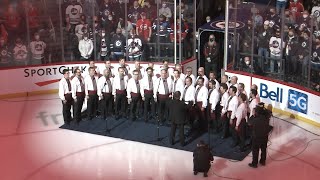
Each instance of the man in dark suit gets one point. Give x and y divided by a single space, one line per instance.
202 158
260 131
177 116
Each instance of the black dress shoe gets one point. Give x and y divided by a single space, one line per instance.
262 163
252 165
195 172
205 174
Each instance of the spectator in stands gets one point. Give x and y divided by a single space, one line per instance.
90 9
33 18
12 21
289 19
292 45
111 25
303 54
86 47
276 46
105 11
304 21
73 12
3 33
246 64
165 11
263 36
118 45
273 18
258 19
143 28
183 31
296 8
185 12
246 38
103 45
316 12
126 28
37 48
81 28
134 13
20 53
162 22
5 53
150 10
281 5
134 47
119 7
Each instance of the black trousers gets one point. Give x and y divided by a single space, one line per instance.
121 105
173 132
149 106
66 110
162 109
257 145
239 137
225 125
134 107
106 105
92 105
77 107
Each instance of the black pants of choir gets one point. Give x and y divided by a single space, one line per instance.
66 109
257 145
121 105
106 105
77 107
173 133
92 106
149 106
162 109
225 125
239 137
135 107
200 116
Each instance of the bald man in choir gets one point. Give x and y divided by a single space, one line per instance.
65 94
91 89
134 94
119 92
177 116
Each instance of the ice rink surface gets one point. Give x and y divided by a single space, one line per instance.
33 147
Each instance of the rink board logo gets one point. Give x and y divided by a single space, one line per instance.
298 101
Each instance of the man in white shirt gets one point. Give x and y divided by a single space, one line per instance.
105 84
78 94
119 92
225 80
229 111
212 77
178 83
109 67
224 98
201 74
234 82
189 74
179 68
253 102
162 93
254 86
147 86
65 94
241 89
126 68
91 88
138 68
238 126
187 97
134 95
201 100
213 100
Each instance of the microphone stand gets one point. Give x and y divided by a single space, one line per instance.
159 139
107 130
